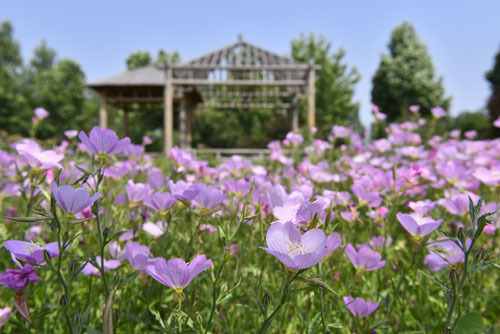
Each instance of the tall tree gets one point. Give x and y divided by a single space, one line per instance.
59 87
14 112
406 76
493 77
334 84
138 59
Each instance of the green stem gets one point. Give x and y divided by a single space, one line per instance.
284 296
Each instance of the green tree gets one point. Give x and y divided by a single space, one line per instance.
138 59
14 111
334 82
59 87
406 76
493 77
163 57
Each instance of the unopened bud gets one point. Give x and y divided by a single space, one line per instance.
63 301
447 331
72 266
461 235
453 276
46 256
76 317
266 299
199 319
65 238
479 255
116 315
116 278
105 233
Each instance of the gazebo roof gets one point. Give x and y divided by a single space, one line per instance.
145 76
241 55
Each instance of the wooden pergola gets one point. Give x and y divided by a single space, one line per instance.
238 76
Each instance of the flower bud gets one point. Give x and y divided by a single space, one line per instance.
461 235
266 299
105 233
479 255
453 276
63 300
65 238
76 317
447 331
73 266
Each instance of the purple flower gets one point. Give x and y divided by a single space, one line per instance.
359 306
443 254
4 315
418 225
155 229
176 273
40 114
18 280
438 112
36 157
183 191
414 108
89 269
103 141
137 255
422 207
160 201
73 200
496 123
365 258
209 198
137 192
29 251
297 251
70 134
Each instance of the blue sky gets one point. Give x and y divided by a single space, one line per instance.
462 36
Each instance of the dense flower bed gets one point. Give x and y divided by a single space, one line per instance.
392 235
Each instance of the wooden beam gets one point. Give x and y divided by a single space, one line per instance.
103 113
190 109
247 94
168 112
135 99
239 82
295 115
232 105
311 97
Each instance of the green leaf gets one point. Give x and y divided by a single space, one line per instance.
316 282
27 219
471 323
108 316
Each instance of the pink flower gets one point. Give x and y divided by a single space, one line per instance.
414 108
40 114
155 229
73 200
18 280
438 112
103 141
359 306
89 269
365 258
418 225
297 251
70 134
496 123
176 273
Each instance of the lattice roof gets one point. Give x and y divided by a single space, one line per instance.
241 55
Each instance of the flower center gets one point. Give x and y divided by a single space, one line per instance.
33 247
296 248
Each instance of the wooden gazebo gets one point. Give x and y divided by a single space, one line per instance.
238 76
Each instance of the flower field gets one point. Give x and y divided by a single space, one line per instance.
340 234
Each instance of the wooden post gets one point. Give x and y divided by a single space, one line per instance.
168 111
311 96
190 107
103 113
125 123
182 123
295 114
